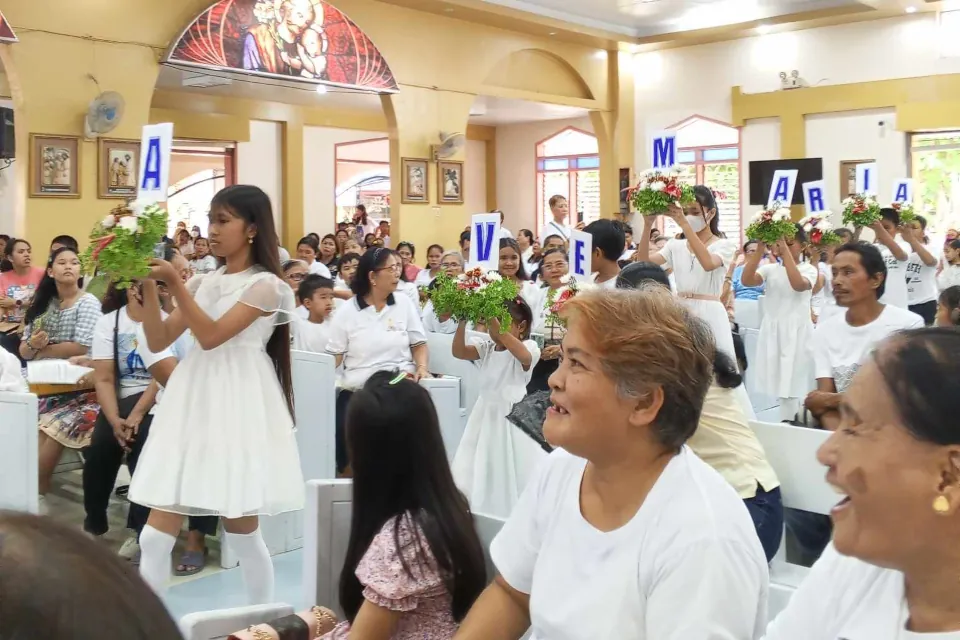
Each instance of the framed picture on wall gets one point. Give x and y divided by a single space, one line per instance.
450 182
54 166
117 162
414 186
848 177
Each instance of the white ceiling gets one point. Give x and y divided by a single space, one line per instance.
492 111
644 18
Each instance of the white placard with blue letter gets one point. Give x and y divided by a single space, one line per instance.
782 188
581 256
664 149
485 241
867 178
814 196
903 190
153 177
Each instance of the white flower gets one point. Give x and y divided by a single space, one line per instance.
462 277
493 276
130 223
564 280
808 227
483 285
757 217
109 222
782 214
658 186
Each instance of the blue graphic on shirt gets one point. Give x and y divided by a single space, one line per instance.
132 369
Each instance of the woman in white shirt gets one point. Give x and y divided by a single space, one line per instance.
452 264
623 532
527 242
375 331
921 271
307 251
950 275
891 572
203 262
552 270
432 270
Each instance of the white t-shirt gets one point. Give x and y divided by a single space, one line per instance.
895 287
921 280
687 566
206 264
134 377
310 336
320 269
505 233
284 254
179 350
372 341
839 349
843 598
423 278
606 284
554 228
949 277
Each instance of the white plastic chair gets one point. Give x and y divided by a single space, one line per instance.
442 362
219 624
792 452
18 455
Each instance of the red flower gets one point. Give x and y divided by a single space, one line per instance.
816 236
673 191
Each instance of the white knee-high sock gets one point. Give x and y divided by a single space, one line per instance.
256 565
155 549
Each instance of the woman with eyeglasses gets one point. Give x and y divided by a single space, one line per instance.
451 263
376 330
552 269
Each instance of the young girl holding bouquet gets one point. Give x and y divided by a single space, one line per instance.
222 440
495 458
783 353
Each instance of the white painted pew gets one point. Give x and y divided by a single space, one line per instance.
18 455
445 393
442 362
792 452
314 391
219 624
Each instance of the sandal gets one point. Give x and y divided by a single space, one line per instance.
192 562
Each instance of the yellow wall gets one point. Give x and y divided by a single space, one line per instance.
63 41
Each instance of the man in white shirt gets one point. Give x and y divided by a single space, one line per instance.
608 243
504 232
557 226
307 250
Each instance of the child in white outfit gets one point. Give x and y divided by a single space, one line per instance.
495 458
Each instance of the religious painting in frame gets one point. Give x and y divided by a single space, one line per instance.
6 31
848 177
450 182
117 162
54 166
414 186
296 40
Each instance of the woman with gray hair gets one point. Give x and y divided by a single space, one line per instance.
623 532
451 264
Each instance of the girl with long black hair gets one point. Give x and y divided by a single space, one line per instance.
223 441
414 564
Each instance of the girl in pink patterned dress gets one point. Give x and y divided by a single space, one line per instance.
414 563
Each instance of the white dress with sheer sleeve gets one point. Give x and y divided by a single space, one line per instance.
222 442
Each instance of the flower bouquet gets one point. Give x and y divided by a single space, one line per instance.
122 244
475 296
558 297
905 209
861 210
657 189
771 224
819 229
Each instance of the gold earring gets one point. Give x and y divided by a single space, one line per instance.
941 505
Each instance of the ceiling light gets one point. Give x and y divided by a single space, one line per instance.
600 55
911 9
448 10
552 33
321 88
763 28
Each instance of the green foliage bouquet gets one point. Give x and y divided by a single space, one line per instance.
819 229
771 224
122 244
905 209
657 189
556 298
860 210
474 296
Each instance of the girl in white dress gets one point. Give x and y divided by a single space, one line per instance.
698 260
222 442
495 458
783 368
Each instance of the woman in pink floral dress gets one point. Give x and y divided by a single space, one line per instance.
414 563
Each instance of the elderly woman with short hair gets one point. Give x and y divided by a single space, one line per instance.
892 570
623 532
451 264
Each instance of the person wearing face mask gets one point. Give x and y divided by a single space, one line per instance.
698 260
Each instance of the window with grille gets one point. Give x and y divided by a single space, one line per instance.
708 153
568 165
